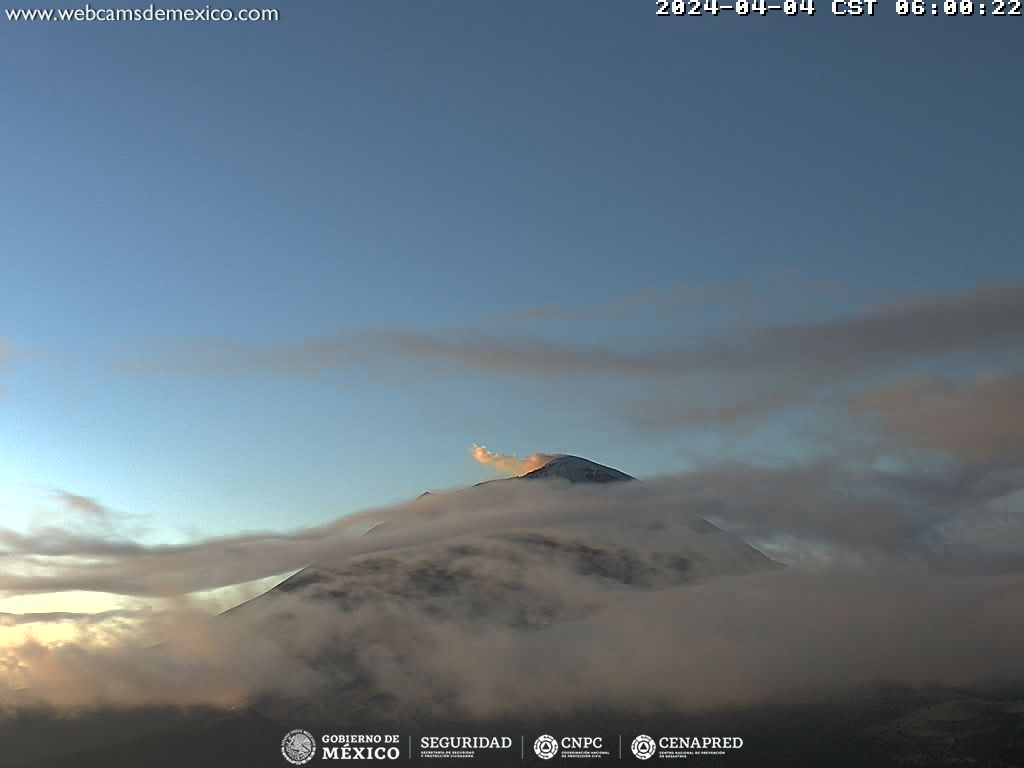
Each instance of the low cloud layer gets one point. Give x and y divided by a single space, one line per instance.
459 603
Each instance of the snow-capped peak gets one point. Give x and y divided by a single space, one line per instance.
577 470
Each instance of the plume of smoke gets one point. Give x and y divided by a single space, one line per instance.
509 464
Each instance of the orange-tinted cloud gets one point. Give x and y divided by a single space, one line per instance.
509 464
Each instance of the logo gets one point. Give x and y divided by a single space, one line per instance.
682 747
644 746
360 746
462 746
546 747
298 746
570 747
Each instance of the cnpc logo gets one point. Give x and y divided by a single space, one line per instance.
546 747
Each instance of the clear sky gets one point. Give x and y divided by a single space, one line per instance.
259 276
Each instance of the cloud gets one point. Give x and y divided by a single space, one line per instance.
977 420
660 415
54 559
691 647
6 353
57 617
675 299
466 599
210 356
83 505
774 637
173 658
744 374
905 331
508 464
848 509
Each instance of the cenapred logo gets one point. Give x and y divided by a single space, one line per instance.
298 746
644 747
546 747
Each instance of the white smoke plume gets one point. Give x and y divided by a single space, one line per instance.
508 464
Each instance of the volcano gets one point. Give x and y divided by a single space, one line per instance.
572 468
655 548
520 560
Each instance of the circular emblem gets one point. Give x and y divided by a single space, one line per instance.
546 747
298 746
644 746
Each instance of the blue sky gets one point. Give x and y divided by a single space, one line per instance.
538 170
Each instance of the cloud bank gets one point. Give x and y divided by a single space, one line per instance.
520 598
